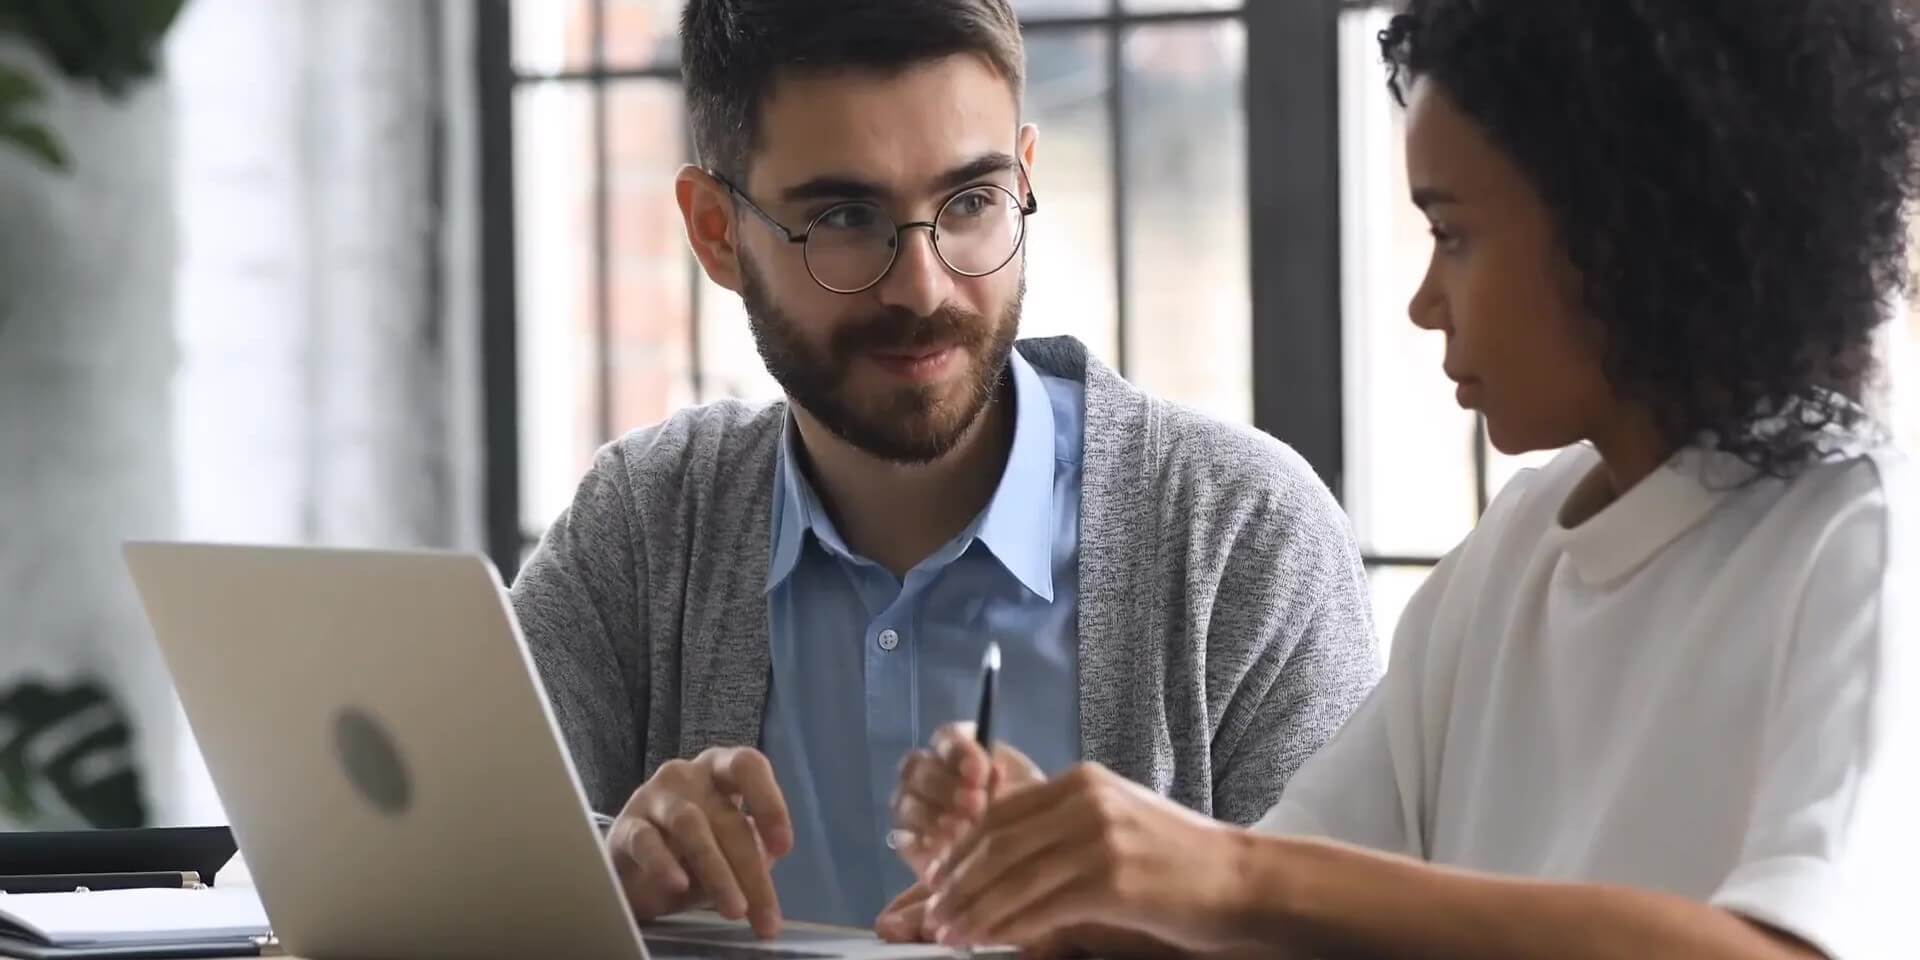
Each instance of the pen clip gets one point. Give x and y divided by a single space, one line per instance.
989 684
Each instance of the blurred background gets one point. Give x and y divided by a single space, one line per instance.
365 272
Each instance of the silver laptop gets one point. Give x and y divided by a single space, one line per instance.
390 765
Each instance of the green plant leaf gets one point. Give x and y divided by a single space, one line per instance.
112 44
17 89
54 30
153 19
158 15
49 738
36 140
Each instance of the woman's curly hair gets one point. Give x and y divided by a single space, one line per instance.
1732 179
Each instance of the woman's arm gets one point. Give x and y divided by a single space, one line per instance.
1092 849
1338 901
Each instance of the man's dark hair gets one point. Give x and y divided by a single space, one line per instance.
1732 178
731 51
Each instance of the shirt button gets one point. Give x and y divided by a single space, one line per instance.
889 639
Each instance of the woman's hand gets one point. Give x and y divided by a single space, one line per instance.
944 789
905 919
1089 850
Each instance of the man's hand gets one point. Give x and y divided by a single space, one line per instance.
945 788
905 919
704 831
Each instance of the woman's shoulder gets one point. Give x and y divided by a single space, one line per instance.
1877 478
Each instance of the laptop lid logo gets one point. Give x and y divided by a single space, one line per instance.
371 761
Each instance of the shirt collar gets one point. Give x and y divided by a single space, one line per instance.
1017 525
1625 534
796 511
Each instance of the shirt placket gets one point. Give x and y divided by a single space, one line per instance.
887 690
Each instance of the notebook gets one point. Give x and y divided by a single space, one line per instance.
122 918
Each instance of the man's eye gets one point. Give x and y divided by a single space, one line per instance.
853 217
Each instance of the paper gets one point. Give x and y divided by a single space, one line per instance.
134 916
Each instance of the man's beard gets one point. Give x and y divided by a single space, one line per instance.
908 424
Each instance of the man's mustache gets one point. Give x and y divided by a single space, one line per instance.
900 329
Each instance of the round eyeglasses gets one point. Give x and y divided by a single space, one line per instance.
850 246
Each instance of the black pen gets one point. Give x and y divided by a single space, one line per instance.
983 720
989 682
125 880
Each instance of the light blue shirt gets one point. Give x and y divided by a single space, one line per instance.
866 667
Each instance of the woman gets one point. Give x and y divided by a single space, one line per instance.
1652 706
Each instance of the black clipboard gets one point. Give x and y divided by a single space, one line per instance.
74 854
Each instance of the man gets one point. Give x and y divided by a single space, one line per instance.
794 595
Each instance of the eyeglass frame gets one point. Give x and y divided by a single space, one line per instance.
1027 209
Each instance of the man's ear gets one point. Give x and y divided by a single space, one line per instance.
1029 146
707 208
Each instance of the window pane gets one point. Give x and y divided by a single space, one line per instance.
1409 483
729 362
1070 253
1502 468
1392 588
643 33
1190 322
553 172
651 293
1176 6
1903 375
1056 8
550 36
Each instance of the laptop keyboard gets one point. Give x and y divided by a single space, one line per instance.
662 948
681 930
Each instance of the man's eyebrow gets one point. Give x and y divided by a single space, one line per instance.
840 186
832 186
982 166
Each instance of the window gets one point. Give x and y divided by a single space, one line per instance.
1141 249
1903 354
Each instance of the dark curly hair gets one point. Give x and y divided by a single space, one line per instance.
1732 179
